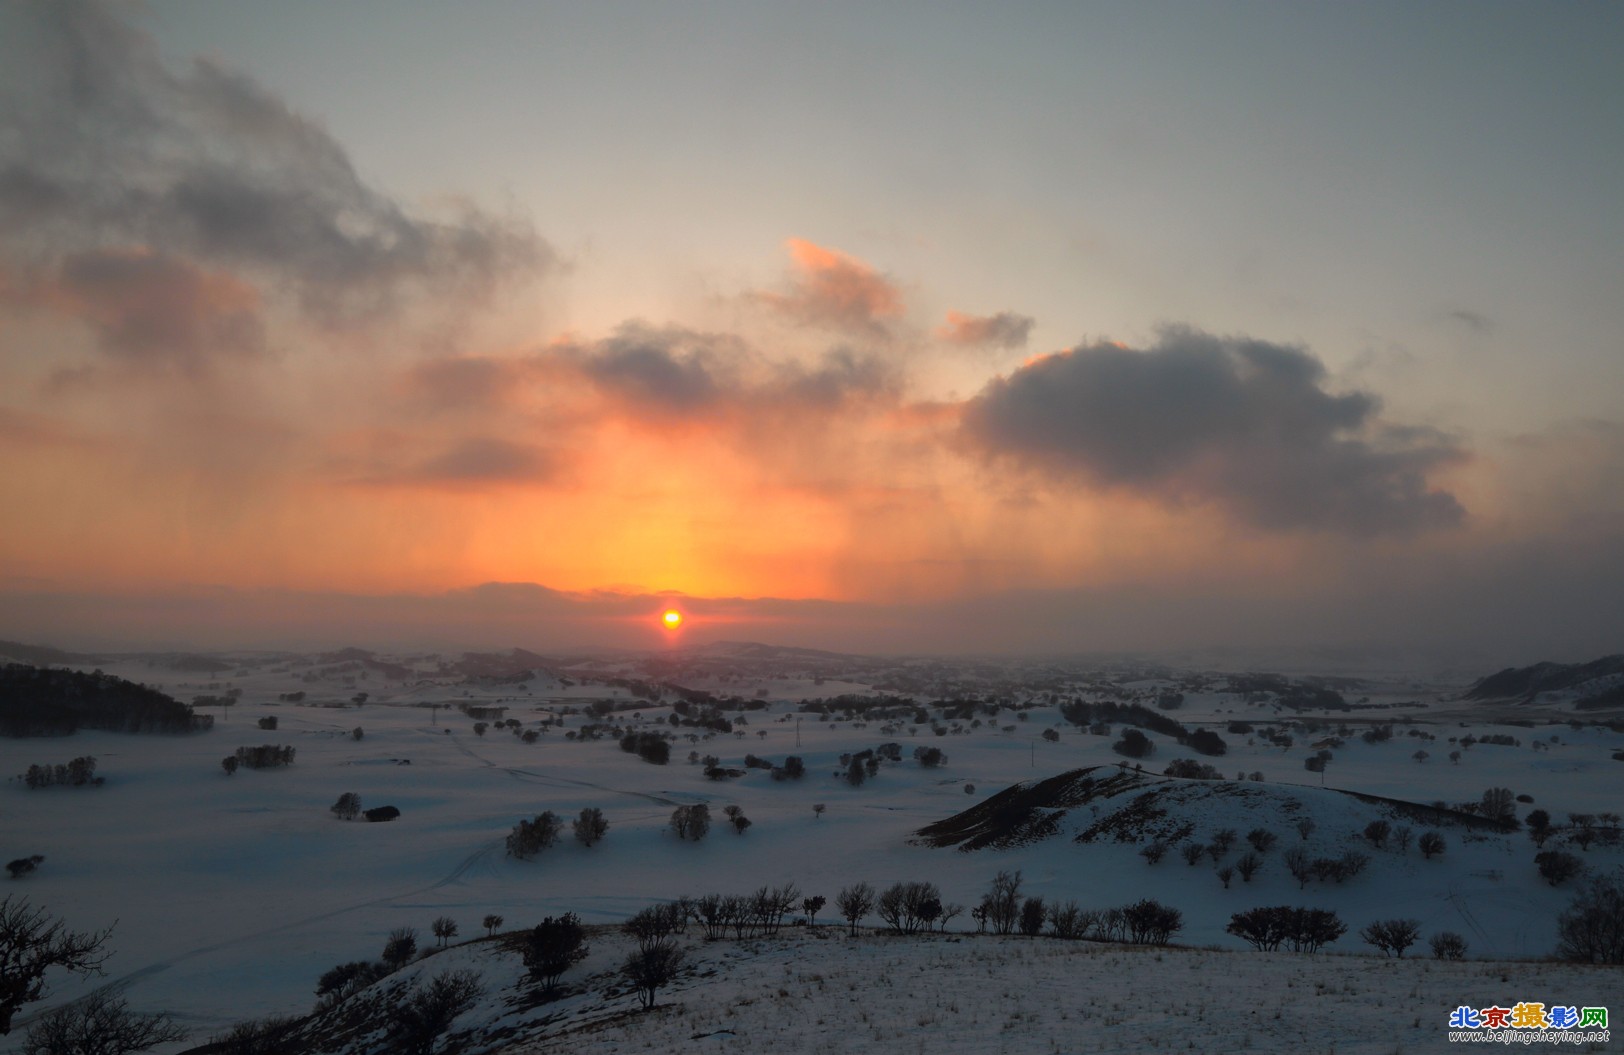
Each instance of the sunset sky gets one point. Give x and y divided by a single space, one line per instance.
884 327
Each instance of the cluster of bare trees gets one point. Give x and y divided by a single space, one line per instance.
760 914
1298 929
79 773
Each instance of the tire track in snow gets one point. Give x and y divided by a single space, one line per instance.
555 781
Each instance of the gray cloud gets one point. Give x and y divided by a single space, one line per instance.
154 309
683 373
101 143
1003 330
1475 321
1242 422
468 463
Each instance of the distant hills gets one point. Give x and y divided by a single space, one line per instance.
1593 685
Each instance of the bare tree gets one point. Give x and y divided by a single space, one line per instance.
444 928
1447 945
854 903
31 943
1591 929
347 807
590 826
417 1022
400 947
490 923
99 1024
1003 902
553 947
1392 936
652 966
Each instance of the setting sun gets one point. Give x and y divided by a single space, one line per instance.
672 619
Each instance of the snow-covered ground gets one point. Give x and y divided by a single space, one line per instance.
232 894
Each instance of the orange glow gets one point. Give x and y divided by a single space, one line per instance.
672 618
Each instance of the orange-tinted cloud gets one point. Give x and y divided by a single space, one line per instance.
832 290
1003 330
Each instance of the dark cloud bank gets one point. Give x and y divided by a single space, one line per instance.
103 146
1242 422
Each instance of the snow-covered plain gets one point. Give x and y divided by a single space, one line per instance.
232 894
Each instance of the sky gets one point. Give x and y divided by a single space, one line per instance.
1050 328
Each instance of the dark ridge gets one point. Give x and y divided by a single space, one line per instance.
1525 683
38 655
39 701
1027 812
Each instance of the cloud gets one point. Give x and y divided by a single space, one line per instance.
832 290
152 309
1003 330
458 464
1475 321
1241 422
101 143
676 373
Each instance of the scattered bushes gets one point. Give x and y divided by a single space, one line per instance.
1337 869
379 814
1431 844
268 723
